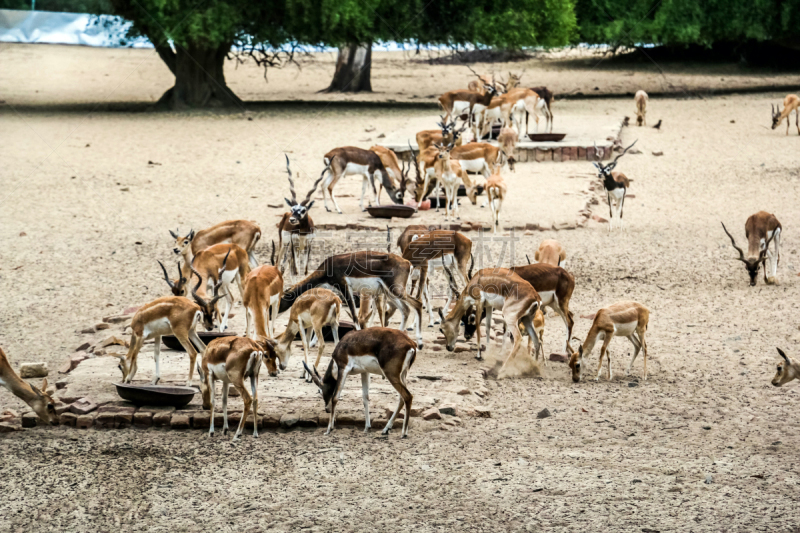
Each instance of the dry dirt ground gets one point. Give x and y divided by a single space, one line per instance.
83 218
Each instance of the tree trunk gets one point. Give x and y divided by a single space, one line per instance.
199 77
353 68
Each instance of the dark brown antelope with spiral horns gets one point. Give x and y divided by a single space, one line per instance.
296 229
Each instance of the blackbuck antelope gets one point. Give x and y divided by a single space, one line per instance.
788 370
240 232
554 286
641 99
370 272
445 135
622 319
496 191
174 315
495 288
225 264
263 288
448 174
37 398
231 360
510 109
487 79
310 313
180 286
427 179
545 105
450 249
760 229
508 140
382 351
480 158
790 103
616 185
550 252
296 229
349 160
392 165
455 103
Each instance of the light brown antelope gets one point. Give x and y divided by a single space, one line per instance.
790 103
788 370
391 164
350 160
296 229
545 105
448 173
445 135
510 108
550 252
616 186
427 179
481 158
37 398
382 351
174 315
263 288
495 288
310 313
622 319
240 232
641 99
496 191
231 360
375 273
508 140
555 287
760 229
455 103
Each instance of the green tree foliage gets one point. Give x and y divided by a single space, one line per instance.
687 22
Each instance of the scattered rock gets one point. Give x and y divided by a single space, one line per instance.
23 234
658 153
83 347
5 427
432 414
73 362
61 384
482 412
179 421
101 326
558 358
544 413
289 420
83 406
598 218
10 412
633 384
161 415
589 317
88 331
709 479
68 419
463 392
448 409
113 341
84 421
29 420
116 319
33 370
143 419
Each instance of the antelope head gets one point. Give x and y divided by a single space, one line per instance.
776 116
177 287
42 404
181 243
787 370
752 264
208 306
450 331
513 80
604 171
327 384
575 357
299 211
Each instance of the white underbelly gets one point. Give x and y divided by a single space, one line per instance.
493 299
547 297
617 194
625 329
370 285
364 364
218 372
274 299
460 107
228 276
159 326
355 168
472 165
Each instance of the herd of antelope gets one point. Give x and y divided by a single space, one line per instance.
380 284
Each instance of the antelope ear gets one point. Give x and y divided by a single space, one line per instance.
288 202
191 235
785 358
309 205
44 385
174 235
596 164
441 315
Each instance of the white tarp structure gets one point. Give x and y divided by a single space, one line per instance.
65 28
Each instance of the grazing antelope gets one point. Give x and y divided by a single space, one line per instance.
224 263
371 272
37 398
427 180
310 312
495 193
616 185
263 288
231 360
174 315
490 288
760 229
550 252
508 140
790 103
349 160
545 105
788 370
392 165
641 99
622 319
382 351
296 229
482 158
555 287
455 103
449 248
240 232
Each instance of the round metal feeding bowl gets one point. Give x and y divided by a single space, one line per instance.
171 342
391 211
327 334
156 395
547 137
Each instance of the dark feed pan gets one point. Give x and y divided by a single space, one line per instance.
206 336
547 137
390 211
159 396
327 334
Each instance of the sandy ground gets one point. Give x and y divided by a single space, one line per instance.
83 218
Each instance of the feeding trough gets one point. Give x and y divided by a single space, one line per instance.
391 211
546 137
156 395
327 333
171 342
462 190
